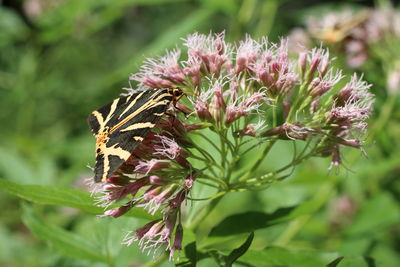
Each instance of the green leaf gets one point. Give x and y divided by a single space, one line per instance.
237 253
190 248
377 213
12 27
15 168
352 262
63 241
335 262
249 221
277 256
68 197
190 258
64 20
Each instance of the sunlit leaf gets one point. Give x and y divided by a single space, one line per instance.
276 256
352 262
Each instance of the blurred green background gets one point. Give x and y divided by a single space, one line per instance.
61 59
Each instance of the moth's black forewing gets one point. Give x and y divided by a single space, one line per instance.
130 120
104 111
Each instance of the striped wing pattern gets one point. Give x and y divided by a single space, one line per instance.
122 124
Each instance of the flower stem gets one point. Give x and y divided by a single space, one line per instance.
258 161
205 211
298 99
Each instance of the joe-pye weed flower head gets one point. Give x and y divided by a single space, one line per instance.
240 99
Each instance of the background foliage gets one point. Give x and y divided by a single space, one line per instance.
61 59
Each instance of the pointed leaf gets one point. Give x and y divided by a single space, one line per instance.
190 258
248 222
68 197
63 241
277 256
352 262
237 253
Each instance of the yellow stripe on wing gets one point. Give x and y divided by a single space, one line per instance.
139 125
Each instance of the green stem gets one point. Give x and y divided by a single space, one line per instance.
208 162
274 116
298 98
221 182
208 140
223 154
258 161
245 181
205 211
198 180
204 153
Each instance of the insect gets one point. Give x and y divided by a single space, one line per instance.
122 124
341 29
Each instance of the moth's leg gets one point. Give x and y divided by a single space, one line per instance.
175 102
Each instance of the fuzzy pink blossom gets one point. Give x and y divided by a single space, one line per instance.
236 97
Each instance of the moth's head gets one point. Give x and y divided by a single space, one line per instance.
176 92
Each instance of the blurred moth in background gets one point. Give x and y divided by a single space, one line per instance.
335 27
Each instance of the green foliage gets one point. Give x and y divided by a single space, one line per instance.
70 57
67 197
64 241
275 256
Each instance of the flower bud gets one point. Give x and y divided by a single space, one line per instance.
303 63
314 104
177 245
196 126
249 130
157 180
215 108
353 143
117 212
165 194
151 166
202 110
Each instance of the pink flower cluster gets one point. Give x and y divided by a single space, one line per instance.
252 91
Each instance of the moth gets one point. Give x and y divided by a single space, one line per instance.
342 29
122 124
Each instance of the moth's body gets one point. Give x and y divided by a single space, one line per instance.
342 29
122 124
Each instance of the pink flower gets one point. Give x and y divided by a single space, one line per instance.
152 165
163 72
236 97
247 54
211 50
168 148
177 245
274 70
355 91
325 84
